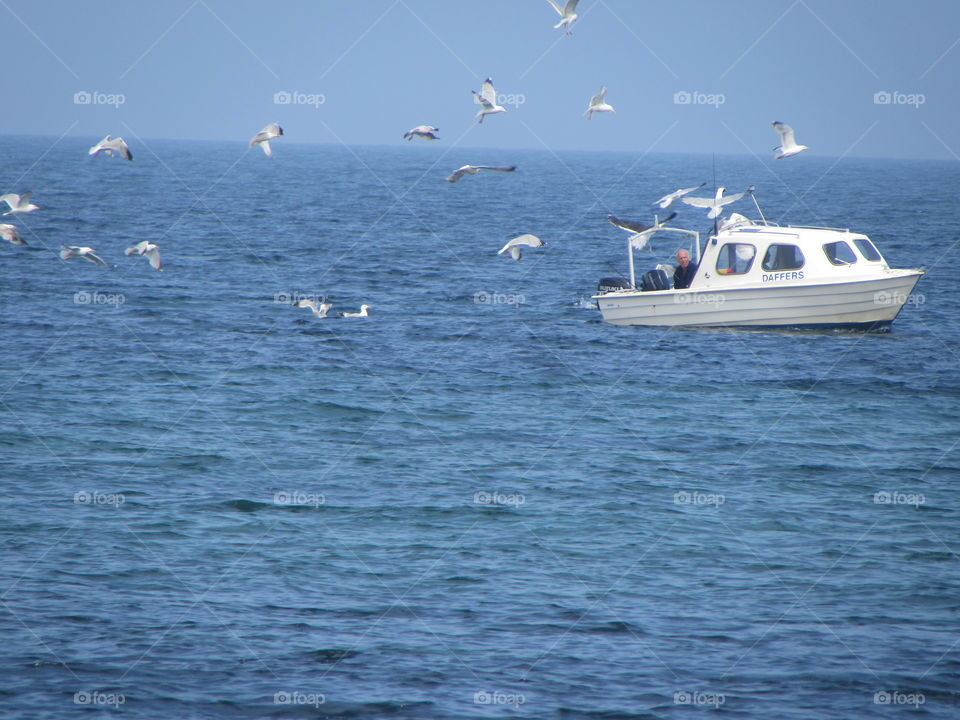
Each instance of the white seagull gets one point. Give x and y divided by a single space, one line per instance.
69 251
318 311
363 312
263 138
598 103
640 233
788 143
148 250
567 15
716 204
19 204
474 169
515 245
110 146
487 97
10 232
427 132
667 200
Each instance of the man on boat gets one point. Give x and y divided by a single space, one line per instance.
683 275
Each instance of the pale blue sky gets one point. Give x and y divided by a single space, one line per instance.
209 69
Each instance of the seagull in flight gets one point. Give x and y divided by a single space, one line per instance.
19 204
69 251
110 146
487 97
640 233
598 103
319 311
515 245
716 204
363 312
10 232
474 169
788 143
667 200
567 13
148 250
263 138
427 132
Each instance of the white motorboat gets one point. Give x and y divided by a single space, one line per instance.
755 273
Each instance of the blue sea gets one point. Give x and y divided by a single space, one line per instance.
481 501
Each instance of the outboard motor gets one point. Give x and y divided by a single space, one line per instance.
655 280
612 284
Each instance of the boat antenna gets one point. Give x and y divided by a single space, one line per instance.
716 225
751 190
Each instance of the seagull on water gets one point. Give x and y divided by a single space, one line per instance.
788 143
10 232
716 204
318 311
427 132
19 204
149 251
515 245
363 312
69 251
640 233
110 146
487 97
474 169
598 103
667 200
567 13
263 138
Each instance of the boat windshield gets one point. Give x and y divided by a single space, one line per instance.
839 253
735 258
867 249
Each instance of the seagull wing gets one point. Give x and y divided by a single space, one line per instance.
67 252
556 6
137 249
99 146
787 139
10 232
265 144
488 93
640 240
628 225
599 98
727 199
153 255
459 173
509 168
570 7
93 257
11 199
482 100
699 201
527 239
121 145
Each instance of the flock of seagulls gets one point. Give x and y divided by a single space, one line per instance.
487 98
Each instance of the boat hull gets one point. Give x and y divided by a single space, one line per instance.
869 304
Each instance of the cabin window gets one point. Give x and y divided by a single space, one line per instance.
735 258
867 249
782 257
839 253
